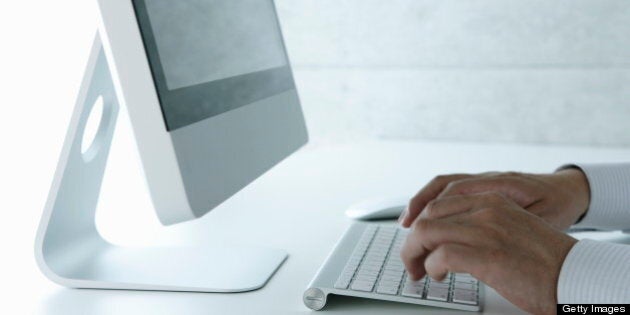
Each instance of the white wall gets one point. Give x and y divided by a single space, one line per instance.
554 71
488 70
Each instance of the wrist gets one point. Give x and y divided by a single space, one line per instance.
559 246
574 181
564 246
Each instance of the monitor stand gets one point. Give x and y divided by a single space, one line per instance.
70 251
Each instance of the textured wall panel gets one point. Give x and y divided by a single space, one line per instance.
489 70
545 106
456 32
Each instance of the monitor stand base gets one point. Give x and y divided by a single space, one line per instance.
70 251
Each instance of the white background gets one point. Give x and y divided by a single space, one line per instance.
491 70
488 70
44 47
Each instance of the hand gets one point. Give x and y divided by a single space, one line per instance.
492 238
559 198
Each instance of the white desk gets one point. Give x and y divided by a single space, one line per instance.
297 206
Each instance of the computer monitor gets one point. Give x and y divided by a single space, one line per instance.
210 94
213 105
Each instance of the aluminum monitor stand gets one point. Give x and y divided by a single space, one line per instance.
70 251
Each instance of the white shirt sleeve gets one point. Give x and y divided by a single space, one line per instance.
595 272
609 208
599 272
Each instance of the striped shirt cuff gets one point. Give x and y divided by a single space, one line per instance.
609 208
595 272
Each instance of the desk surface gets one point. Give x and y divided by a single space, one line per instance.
297 206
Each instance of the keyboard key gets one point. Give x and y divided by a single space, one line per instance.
365 286
352 265
465 286
369 269
387 290
468 281
391 278
437 294
447 279
387 287
349 270
375 266
343 283
393 273
395 268
389 282
367 274
439 285
465 296
371 279
346 276
413 291
371 229
420 282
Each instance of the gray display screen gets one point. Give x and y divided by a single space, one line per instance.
208 57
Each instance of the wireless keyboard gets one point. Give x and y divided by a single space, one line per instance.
366 263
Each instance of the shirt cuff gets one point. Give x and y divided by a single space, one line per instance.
595 272
609 207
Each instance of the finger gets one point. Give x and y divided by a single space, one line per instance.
449 205
520 190
456 258
426 236
426 194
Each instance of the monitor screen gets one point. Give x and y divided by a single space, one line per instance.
208 57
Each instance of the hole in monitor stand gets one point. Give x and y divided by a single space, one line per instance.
89 143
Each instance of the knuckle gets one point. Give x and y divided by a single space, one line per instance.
444 255
421 226
487 214
413 201
460 186
424 224
431 208
511 174
444 179
440 178
441 260
437 181
494 197
493 234
502 231
453 185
